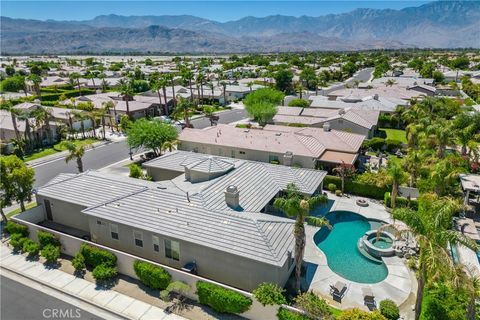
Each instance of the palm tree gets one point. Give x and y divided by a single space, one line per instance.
36 80
25 115
155 86
171 79
294 205
183 108
188 77
390 82
396 173
80 115
75 152
127 93
75 78
431 225
7 105
412 163
170 145
200 80
224 86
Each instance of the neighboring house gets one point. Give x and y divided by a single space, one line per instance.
368 103
211 213
424 89
53 81
351 120
290 146
238 92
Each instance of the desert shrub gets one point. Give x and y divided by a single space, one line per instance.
332 187
221 299
389 309
95 256
46 238
152 276
31 247
51 253
15 228
104 272
285 314
176 286
78 262
314 306
269 294
17 240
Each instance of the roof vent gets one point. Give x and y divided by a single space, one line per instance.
326 126
232 196
278 134
341 111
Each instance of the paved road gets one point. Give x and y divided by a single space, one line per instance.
225 117
362 76
94 159
25 303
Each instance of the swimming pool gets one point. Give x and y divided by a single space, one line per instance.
340 247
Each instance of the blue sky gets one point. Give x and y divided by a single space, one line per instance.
215 10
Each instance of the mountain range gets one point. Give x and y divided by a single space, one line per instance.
439 24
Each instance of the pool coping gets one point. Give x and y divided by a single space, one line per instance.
399 284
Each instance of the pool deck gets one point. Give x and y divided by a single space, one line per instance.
399 285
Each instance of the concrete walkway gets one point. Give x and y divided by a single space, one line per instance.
399 284
119 304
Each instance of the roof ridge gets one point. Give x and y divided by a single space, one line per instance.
265 238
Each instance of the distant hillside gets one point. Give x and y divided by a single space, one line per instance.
440 24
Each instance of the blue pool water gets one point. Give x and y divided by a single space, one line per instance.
340 247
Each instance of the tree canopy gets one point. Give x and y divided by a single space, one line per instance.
150 134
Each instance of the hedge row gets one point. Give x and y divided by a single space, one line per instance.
380 144
152 276
68 94
95 256
221 299
400 202
356 188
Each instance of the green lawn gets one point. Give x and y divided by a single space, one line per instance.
335 312
395 134
17 211
56 148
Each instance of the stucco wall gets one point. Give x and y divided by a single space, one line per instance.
71 245
158 174
67 213
230 269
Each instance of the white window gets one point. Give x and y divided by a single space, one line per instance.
114 231
156 243
138 236
172 249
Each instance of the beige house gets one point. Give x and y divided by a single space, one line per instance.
351 120
211 213
290 146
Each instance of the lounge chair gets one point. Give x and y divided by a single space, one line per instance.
369 299
338 290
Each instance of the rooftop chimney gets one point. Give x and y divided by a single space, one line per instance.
288 158
232 196
326 126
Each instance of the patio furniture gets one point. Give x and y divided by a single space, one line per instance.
369 299
338 290
190 267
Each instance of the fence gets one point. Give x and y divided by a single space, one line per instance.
71 245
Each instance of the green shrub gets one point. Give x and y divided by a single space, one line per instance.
357 314
17 240
78 262
152 276
392 145
269 294
375 143
46 238
95 256
221 299
299 103
12 228
31 247
338 193
135 171
104 272
51 253
314 306
332 187
389 309
176 286
400 202
67 94
357 188
285 314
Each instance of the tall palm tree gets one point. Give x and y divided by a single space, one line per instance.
7 105
155 86
127 93
171 79
224 86
200 80
36 80
183 108
398 176
431 225
75 77
188 77
296 206
25 115
76 152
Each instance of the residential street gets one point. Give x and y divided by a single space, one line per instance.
225 117
362 76
24 303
